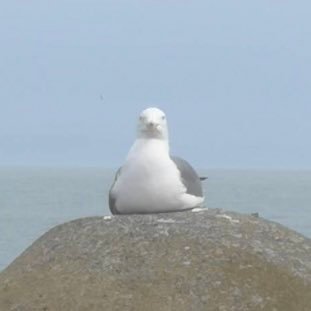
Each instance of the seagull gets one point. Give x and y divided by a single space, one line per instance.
150 180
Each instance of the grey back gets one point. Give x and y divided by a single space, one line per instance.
190 178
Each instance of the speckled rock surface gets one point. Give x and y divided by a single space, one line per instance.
206 260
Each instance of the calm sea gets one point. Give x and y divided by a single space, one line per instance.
33 200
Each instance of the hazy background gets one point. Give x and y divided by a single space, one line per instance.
232 76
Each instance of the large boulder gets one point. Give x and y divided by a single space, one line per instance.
204 260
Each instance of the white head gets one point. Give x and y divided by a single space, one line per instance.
152 124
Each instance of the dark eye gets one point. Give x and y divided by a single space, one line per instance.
163 117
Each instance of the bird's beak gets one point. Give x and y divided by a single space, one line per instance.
152 125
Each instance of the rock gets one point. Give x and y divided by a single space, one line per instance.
204 260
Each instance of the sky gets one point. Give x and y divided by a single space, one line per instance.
233 77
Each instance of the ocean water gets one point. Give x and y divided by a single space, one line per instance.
33 200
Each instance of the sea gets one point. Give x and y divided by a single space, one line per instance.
33 200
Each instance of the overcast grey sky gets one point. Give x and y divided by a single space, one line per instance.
232 76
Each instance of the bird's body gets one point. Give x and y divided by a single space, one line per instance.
150 181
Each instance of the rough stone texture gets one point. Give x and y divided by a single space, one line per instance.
207 260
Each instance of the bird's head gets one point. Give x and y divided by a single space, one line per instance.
152 124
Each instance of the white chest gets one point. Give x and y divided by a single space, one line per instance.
148 180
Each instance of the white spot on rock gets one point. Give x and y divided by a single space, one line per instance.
166 221
199 209
234 221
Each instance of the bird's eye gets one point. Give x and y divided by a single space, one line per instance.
141 118
163 118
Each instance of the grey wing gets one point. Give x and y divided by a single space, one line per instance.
112 198
190 178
